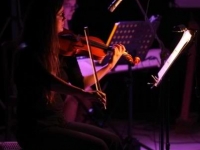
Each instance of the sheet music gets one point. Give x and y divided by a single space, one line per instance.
136 36
180 46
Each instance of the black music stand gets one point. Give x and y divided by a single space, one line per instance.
188 38
137 37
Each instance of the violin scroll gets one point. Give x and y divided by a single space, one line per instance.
131 60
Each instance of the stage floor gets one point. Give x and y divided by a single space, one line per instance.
146 133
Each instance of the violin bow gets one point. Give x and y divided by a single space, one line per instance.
97 84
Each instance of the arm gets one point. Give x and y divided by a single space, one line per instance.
31 73
57 84
61 86
118 51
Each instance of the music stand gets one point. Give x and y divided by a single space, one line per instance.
137 37
184 42
186 38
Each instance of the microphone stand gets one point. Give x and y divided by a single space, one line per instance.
164 124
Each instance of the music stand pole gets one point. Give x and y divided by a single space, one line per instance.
131 142
129 139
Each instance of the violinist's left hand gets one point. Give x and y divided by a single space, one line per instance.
118 51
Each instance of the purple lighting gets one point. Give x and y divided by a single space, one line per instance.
188 3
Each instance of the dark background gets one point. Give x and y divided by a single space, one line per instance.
95 15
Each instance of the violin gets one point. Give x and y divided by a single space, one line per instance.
71 44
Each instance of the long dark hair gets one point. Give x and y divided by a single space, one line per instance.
40 32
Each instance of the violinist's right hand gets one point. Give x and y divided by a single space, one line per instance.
95 96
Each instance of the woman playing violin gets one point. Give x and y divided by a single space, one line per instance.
40 86
72 110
